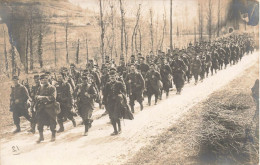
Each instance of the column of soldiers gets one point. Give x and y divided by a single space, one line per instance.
116 87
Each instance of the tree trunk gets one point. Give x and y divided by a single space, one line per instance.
31 43
171 46
55 49
77 53
66 42
40 48
151 28
102 32
210 20
122 28
26 51
5 53
135 30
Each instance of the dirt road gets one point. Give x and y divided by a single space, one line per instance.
99 147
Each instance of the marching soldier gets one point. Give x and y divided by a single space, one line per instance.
196 68
45 107
65 98
86 94
115 102
215 64
33 93
19 103
178 68
152 79
166 73
75 75
135 84
208 63
143 67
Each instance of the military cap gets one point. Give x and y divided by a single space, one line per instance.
112 72
142 58
72 64
133 56
15 78
113 69
36 76
48 73
43 76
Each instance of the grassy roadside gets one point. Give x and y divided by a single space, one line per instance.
219 130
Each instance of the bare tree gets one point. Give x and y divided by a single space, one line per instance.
40 47
77 52
26 51
122 28
66 40
171 46
209 18
31 40
164 28
218 28
195 38
200 22
135 30
102 26
5 53
113 30
55 49
140 39
87 47
151 28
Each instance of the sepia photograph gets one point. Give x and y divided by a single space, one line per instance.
129 82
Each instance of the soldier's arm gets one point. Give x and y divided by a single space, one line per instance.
123 88
141 81
70 94
26 94
51 95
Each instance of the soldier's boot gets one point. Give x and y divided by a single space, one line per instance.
119 126
115 129
18 129
53 136
41 138
90 121
61 129
167 94
32 130
141 106
156 99
74 122
132 109
86 129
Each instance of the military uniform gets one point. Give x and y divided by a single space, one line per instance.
196 69
18 104
115 101
65 98
166 73
45 112
135 84
152 84
86 94
33 92
178 68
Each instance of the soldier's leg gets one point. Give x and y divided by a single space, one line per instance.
149 98
156 94
53 129
140 100
16 120
33 123
40 129
113 121
27 116
86 123
60 122
132 102
119 126
70 116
